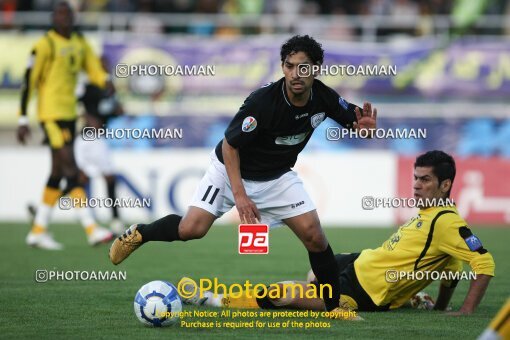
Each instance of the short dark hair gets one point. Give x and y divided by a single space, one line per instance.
443 165
303 43
62 3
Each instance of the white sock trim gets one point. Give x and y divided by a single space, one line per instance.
42 216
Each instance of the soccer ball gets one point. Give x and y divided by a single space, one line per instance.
158 304
422 300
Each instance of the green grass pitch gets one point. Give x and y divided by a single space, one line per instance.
98 309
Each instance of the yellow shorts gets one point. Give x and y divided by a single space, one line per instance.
59 133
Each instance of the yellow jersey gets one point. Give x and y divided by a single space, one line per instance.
53 70
499 327
437 240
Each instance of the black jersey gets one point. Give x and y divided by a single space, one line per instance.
270 132
98 103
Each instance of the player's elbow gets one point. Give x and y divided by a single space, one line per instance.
226 146
227 150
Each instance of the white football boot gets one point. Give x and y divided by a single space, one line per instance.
43 240
99 235
117 227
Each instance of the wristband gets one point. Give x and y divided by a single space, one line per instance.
23 120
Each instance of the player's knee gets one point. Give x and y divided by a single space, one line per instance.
191 230
54 181
314 239
70 171
56 168
68 167
195 224
56 172
72 182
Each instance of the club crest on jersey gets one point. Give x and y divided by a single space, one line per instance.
343 103
317 119
249 124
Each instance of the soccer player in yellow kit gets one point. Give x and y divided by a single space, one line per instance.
499 328
436 240
55 62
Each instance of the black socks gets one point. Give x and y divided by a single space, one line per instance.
111 194
164 229
326 270
323 263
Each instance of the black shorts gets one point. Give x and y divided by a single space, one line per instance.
59 133
350 286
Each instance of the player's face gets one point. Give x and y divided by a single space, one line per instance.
426 184
63 17
296 81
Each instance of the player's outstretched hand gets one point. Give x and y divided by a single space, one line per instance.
248 212
367 118
23 133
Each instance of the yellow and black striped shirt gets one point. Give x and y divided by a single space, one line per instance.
53 71
438 239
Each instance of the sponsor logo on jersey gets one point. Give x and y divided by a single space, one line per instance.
301 116
295 205
343 103
473 243
249 124
291 140
317 119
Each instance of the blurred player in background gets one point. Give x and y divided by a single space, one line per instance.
93 156
438 240
55 62
499 328
251 167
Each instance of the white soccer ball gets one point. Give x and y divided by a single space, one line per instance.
158 304
422 300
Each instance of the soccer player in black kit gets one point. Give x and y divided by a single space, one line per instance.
94 156
251 167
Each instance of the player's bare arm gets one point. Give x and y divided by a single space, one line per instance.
32 74
248 211
444 297
23 131
474 295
